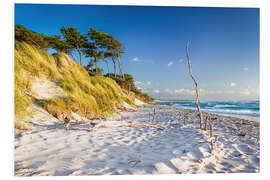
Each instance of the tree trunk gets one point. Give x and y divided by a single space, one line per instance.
120 67
196 86
80 53
96 64
205 123
114 67
108 67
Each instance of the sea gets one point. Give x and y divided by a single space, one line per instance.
239 108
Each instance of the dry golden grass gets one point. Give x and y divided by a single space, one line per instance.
90 97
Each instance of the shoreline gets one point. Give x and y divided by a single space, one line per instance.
257 119
246 117
123 145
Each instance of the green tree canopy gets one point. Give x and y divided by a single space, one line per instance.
98 45
75 39
59 45
31 37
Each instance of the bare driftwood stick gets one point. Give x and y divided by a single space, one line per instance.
205 123
67 122
196 85
79 123
142 125
154 113
211 127
212 145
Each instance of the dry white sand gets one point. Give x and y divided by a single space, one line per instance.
115 149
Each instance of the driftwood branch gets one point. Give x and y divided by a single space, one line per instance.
211 127
212 145
196 86
205 123
142 125
154 114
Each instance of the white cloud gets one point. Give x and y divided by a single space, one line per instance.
257 90
189 91
168 91
148 83
181 60
245 68
138 83
245 92
202 92
184 91
136 59
170 64
230 84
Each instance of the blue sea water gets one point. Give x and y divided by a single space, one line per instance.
242 108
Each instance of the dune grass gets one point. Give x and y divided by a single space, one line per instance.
90 97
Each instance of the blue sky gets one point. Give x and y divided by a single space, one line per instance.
224 45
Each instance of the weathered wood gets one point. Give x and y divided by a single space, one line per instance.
211 127
142 125
154 114
212 145
79 122
205 123
67 122
196 87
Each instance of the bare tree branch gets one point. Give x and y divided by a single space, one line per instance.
196 86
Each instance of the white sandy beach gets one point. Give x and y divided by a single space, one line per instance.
115 148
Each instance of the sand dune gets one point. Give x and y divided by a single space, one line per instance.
116 149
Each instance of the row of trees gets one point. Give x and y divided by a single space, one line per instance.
95 45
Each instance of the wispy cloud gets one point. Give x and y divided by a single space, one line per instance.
245 68
204 92
188 91
138 82
144 86
180 60
230 84
136 59
233 84
183 93
170 64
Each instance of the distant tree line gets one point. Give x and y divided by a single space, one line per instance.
128 84
95 45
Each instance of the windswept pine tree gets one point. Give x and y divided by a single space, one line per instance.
58 44
102 46
75 39
24 35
